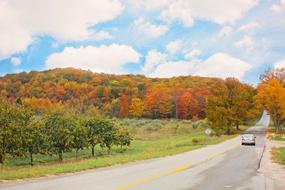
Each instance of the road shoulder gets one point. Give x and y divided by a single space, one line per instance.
274 173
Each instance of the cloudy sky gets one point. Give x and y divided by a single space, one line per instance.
157 38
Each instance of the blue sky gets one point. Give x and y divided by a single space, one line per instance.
157 38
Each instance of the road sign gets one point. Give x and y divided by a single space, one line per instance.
208 131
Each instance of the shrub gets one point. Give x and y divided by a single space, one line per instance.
200 124
195 140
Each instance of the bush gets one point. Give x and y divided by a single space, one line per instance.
195 140
198 140
200 124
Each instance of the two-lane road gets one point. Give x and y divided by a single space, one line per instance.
227 165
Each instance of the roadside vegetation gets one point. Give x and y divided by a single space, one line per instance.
67 120
152 138
279 155
276 136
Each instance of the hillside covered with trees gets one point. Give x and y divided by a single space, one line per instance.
59 110
89 93
109 95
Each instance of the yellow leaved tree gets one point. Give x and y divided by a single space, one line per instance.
271 97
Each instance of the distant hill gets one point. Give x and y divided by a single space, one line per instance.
85 92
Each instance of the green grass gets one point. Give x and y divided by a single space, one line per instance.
140 150
153 138
279 155
278 138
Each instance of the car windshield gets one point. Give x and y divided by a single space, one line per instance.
248 135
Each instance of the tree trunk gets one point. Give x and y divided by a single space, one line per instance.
93 151
109 150
228 131
277 129
176 108
76 154
237 126
2 154
31 158
1 158
60 155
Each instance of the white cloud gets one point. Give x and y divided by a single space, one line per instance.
248 27
152 60
102 35
176 11
13 36
225 31
222 65
16 61
107 59
174 46
219 11
192 54
280 64
149 29
170 69
67 20
148 4
246 42
277 8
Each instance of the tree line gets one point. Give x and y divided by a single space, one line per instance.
233 103
226 103
25 133
107 95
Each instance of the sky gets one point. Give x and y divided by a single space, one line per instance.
156 38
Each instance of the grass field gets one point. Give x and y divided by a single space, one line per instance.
276 137
153 138
279 155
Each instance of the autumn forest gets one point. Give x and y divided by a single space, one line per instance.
110 95
60 110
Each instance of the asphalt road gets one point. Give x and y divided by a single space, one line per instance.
227 165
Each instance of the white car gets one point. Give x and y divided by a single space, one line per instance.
248 139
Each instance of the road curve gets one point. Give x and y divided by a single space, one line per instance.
227 165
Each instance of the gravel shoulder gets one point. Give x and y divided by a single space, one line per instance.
273 172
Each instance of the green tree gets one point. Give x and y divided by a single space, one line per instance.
93 133
100 132
34 139
79 133
6 130
10 131
108 134
59 128
123 138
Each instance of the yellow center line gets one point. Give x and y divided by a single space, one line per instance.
152 178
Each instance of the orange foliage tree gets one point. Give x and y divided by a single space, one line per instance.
137 107
159 102
187 105
124 106
271 97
